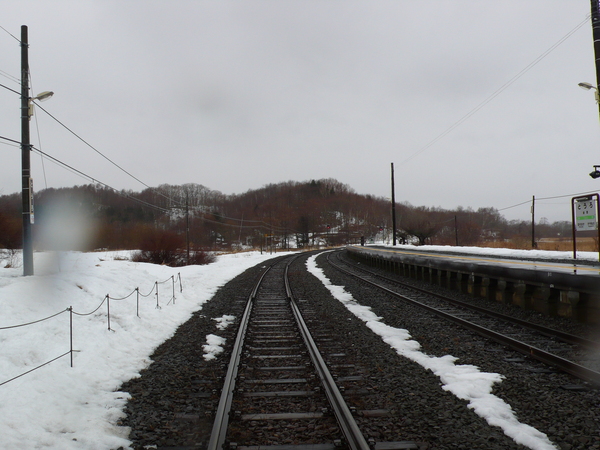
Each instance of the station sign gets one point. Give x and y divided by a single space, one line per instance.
586 214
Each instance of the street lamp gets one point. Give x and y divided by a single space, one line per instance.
587 86
42 97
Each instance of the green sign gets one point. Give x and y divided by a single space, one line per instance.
585 214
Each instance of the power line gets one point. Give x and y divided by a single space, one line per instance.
91 146
549 198
563 196
243 220
37 127
9 76
10 140
514 206
6 87
8 32
497 91
104 156
85 142
94 180
258 223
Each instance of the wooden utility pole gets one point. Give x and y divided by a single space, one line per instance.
187 226
533 244
595 17
26 192
393 207
456 229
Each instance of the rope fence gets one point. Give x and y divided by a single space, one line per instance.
107 298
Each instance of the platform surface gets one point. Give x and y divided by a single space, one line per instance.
576 274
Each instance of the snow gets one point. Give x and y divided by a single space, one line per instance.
464 381
214 346
500 252
59 406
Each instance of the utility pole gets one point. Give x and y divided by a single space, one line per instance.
393 207
595 16
456 229
533 245
26 192
187 226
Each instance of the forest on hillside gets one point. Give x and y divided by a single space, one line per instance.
285 215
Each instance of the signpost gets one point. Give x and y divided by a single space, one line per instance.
31 217
584 212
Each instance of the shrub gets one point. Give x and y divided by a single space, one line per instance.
173 258
201 258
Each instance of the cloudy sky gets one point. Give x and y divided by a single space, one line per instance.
235 95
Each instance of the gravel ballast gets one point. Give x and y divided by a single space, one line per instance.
173 398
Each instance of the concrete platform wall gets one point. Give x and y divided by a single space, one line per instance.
550 294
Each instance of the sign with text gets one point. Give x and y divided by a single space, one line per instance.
31 216
584 211
586 217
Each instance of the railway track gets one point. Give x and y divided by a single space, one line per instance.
278 400
279 385
562 351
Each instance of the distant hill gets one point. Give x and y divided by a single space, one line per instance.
288 214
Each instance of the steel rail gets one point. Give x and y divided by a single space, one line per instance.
354 438
565 337
219 430
565 365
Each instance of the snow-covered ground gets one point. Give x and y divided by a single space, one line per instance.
59 406
501 252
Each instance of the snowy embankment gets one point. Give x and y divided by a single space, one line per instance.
57 406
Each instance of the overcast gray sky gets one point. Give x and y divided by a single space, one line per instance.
235 95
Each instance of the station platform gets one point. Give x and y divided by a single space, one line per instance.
567 289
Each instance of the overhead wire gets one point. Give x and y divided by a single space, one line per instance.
9 76
10 34
78 172
94 180
39 136
243 220
548 198
101 154
497 91
424 148
18 143
258 223
86 143
263 225
72 132
6 87
37 127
